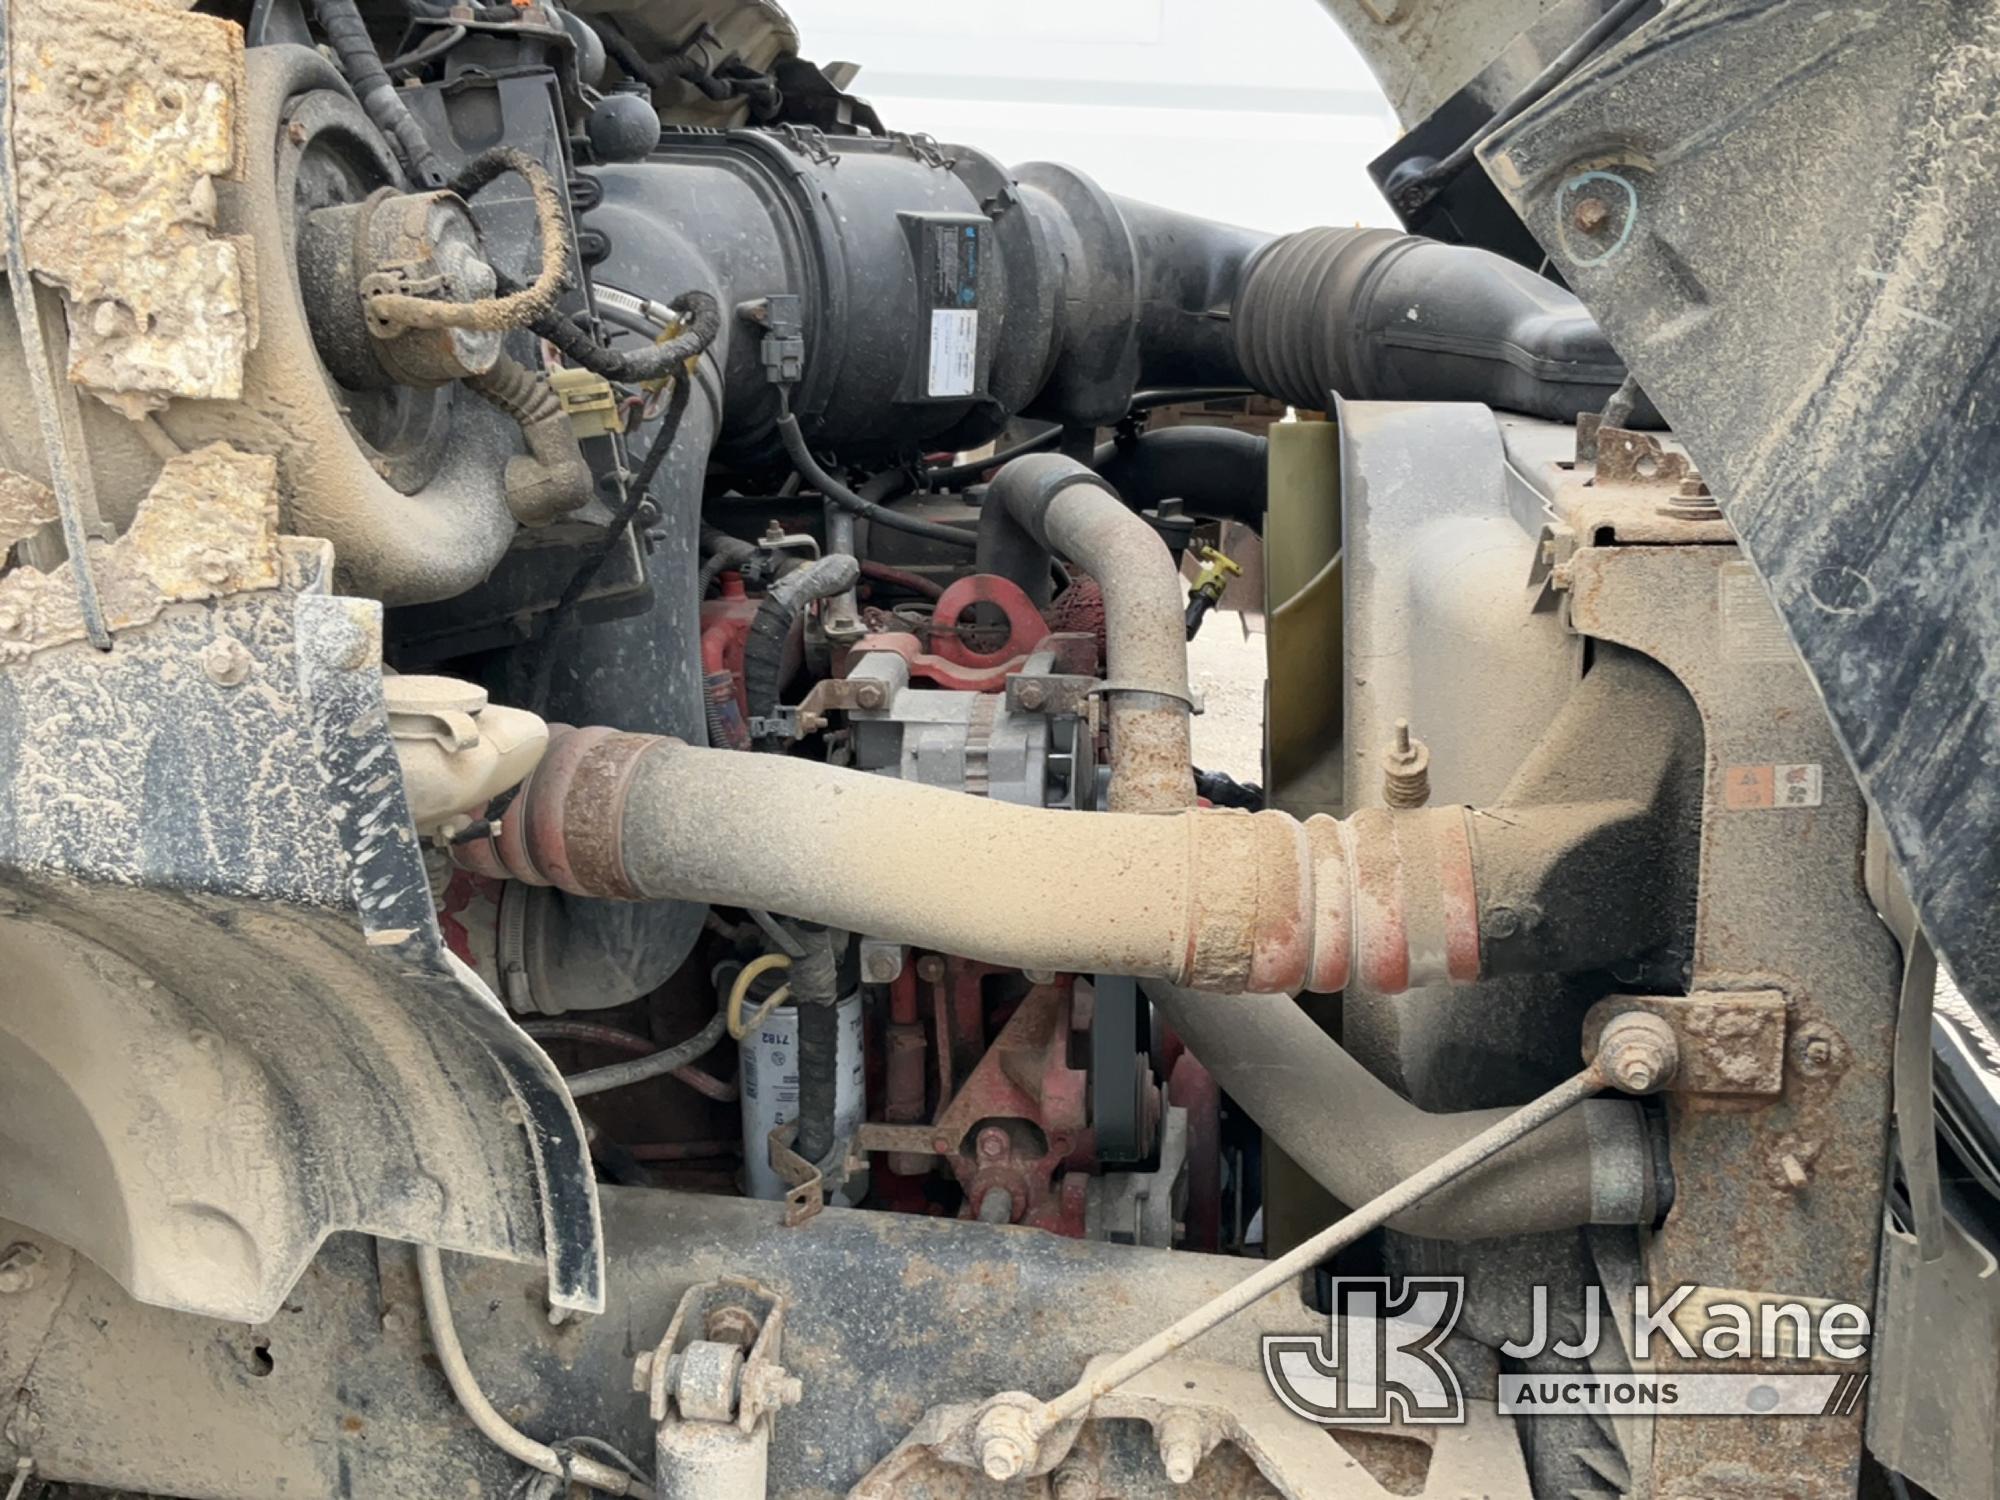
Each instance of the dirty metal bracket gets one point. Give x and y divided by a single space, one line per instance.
1731 1041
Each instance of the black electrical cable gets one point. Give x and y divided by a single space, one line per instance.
428 50
586 572
348 35
950 475
638 366
801 457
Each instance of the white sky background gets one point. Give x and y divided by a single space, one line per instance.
1255 112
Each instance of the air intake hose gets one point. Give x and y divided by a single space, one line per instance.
1378 315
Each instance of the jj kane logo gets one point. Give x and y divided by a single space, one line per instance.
1694 1351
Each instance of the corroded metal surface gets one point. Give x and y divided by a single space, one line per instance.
26 504
889 1316
1779 1194
207 529
1731 1042
125 114
1799 271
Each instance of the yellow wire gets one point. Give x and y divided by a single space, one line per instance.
740 990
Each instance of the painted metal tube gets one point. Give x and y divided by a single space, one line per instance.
1221 900
1063 506
1358 1137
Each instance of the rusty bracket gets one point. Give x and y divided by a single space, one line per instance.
806 1195
730 1311
1731 1041
1052 693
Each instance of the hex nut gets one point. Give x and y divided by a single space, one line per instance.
1003 1441
869 695
1030 696
1638 1051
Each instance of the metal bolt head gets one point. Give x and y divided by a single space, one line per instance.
993 1143
227 662
930 968
1004 1442
1031 696
1591 215
214 567
1816 1052
1638 1052
20 1267
869 695
882 965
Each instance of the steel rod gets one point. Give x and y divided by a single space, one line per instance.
1077 1400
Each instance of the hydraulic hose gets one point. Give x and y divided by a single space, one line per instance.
652 1065
1043 502
1357 1137
494 1427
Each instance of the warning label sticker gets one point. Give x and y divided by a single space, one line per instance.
954 351
1745 788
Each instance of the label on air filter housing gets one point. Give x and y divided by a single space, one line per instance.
954 351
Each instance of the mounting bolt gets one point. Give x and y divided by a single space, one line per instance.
930 968
20 1267
1406 770
226 662
882 965
1591 215
1182 1444
1004 1441
1816 1052
1031 696
869 695
993 1143
1638 1051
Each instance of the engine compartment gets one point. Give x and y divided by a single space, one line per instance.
597 726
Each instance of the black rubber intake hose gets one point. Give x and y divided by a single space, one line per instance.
1216 473
764 647
348 35
1377 315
